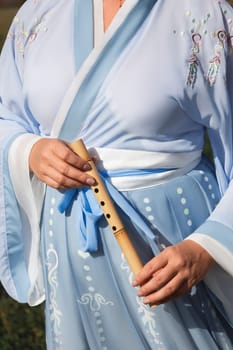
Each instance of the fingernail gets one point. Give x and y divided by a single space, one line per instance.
134 283
86 167
90 181
146 300
139 293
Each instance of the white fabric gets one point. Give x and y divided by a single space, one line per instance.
212 113
119 159
29 192
98 22
219 278
222 255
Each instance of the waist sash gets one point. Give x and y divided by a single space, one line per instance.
131 169
89 211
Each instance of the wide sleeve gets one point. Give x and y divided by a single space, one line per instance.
20 195
208 100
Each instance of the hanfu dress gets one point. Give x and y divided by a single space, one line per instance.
142 97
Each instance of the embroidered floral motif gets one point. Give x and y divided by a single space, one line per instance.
196 25
148 319
94 300
55 313
24 37
147 315
193 60
199 28
216 60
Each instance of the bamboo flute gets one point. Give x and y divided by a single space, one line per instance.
109 210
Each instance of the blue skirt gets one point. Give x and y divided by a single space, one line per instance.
90 303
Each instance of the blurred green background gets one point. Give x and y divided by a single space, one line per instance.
21 327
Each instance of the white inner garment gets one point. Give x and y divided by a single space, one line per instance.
119 159
98 22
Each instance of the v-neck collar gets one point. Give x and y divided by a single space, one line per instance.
97 63
89 31
98 10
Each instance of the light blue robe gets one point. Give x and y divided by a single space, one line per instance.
159 77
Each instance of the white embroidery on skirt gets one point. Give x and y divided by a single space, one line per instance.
55 313
147 315
94 300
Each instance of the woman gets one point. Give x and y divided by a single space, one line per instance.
139 82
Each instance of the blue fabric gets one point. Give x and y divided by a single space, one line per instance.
16 272
90 212
217 231
134 172
83 28
101 293
90 87
87 217
89 295
97 285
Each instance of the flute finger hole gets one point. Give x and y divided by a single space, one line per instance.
108 216
102 203
96 190
114 228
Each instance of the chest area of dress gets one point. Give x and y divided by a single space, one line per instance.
142 91
145 86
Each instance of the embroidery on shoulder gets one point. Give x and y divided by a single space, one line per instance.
24 37
199 31
224 43
215 61
193 60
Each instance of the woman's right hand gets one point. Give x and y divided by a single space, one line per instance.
55 164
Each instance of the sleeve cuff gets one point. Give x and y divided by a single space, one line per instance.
29 191
222 255
219 278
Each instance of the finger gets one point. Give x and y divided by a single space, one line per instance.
51 183
180 292
72 158
148 270
167 292
61 150
55 179
184 289
69 175
158 280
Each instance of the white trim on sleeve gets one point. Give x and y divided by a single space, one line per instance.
29 192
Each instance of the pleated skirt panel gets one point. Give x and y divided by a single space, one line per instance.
90 302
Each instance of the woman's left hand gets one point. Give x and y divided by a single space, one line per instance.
173 272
